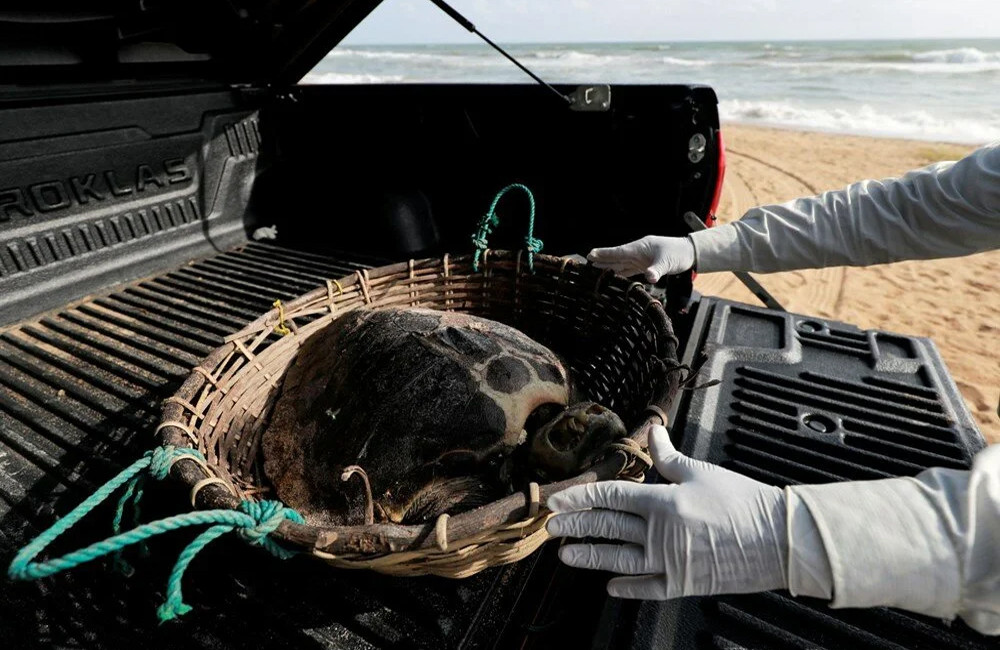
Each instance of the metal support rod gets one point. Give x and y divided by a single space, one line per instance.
748 280
467 24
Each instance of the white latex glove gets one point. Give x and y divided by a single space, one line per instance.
651 256
712 532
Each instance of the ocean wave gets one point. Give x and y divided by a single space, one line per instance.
769 55
950 61
871 65
546 54
957 56
863 120
575 57
953 59
650 47
638 60
673 60
342 78
394 55
566 55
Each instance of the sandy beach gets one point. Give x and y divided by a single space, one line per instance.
954 302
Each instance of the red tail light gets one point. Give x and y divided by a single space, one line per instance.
710 218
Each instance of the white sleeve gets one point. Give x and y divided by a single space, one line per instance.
944 210
928 544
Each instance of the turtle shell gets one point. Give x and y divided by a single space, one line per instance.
429 404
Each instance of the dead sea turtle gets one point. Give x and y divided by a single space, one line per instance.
439 412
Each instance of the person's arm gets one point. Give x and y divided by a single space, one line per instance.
926 544
944 210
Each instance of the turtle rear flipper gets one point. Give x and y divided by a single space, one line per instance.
446 495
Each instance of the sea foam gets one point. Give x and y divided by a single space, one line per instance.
959 56
314 78
862 120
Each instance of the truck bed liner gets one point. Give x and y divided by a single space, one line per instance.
79 397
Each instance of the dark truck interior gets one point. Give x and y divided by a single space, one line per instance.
143 144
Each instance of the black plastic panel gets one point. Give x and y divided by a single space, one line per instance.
409 169
807 400
394 157
97 193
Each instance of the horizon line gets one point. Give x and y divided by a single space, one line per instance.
684 40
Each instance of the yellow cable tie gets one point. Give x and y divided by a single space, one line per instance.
281 329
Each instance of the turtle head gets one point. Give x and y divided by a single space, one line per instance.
569 440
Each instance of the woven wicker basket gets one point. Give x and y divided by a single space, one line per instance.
616 338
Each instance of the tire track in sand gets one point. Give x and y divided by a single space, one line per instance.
738 197
814 291
781 170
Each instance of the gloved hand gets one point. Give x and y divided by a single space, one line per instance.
651 256
712 532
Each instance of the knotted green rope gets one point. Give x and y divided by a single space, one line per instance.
254 521
490 220
160 461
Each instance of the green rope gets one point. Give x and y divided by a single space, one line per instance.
254 521
160 461
174 605
260 519
490 220
120 564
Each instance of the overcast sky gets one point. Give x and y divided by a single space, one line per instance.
419 21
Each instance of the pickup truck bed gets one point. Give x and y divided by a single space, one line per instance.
81 391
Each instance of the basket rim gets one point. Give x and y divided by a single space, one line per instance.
368 541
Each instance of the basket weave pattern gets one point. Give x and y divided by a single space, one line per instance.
616 339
